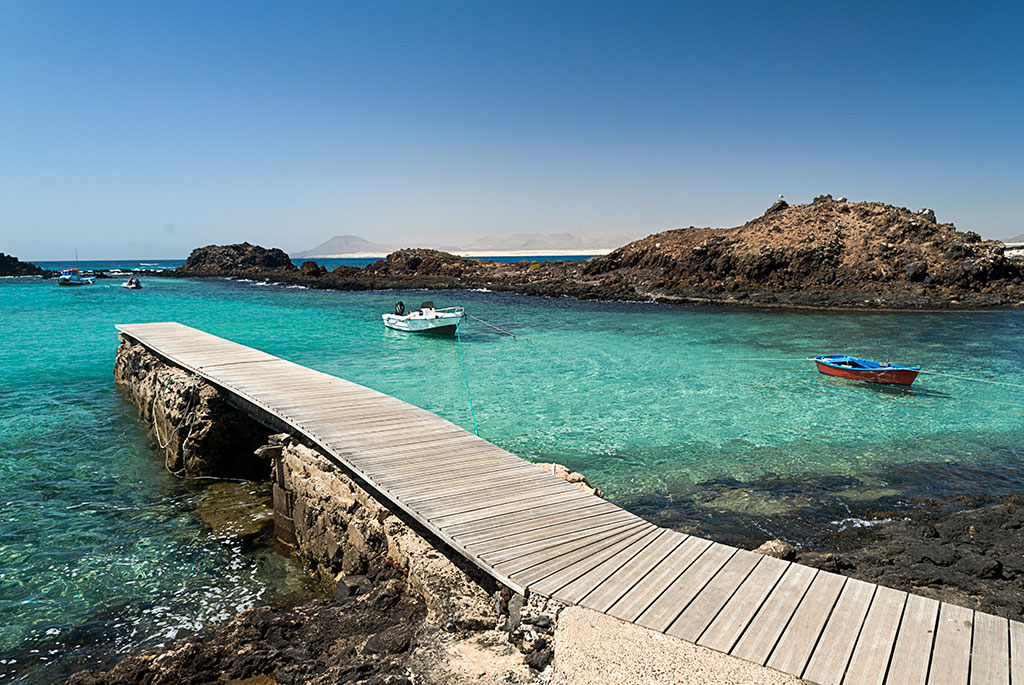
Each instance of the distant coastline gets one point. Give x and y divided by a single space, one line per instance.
593 252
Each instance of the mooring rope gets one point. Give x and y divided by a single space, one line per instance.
465 375
969 378
502 330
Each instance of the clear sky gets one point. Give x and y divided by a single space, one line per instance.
144 129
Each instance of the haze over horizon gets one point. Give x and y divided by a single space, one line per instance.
144 130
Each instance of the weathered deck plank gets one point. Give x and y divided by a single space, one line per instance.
870 660
951 654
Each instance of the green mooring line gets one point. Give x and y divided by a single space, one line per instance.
465 375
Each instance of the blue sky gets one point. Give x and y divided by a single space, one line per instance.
133 129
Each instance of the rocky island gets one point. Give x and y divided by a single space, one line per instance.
12 266
827 253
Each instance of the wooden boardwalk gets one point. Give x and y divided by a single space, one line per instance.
536 533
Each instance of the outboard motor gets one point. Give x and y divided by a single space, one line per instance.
399 308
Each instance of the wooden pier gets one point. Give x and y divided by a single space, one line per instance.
536 533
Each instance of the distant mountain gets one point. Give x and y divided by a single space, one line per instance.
1015 239
345 245
582 239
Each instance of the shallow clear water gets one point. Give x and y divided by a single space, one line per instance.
704 419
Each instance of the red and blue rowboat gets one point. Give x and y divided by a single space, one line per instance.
845 366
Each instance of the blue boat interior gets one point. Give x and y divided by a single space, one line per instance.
844 361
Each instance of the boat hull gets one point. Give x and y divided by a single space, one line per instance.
890 376
442 326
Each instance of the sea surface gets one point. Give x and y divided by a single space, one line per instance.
710 420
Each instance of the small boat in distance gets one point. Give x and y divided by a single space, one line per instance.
72 277
426 319
845 366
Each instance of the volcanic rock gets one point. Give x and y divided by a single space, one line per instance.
235 260
12 266
832 253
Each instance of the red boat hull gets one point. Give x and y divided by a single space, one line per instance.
893 376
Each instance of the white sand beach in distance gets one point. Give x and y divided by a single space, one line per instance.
477 253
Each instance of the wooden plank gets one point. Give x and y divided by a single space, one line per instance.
542 525
912 654
725 630
793 650
557 530
1016 653
519 505
990 650
525 518
628 592
703 609
640 560
835 646
870 660
449 507
470 487
438 504
951 654
677 595
568 567
531 551
565 552
598 567
498 474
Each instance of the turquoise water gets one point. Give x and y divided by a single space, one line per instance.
704 419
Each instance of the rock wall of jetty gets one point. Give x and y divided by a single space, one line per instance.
190 421
401 606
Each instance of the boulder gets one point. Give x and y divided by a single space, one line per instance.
916 271
778 549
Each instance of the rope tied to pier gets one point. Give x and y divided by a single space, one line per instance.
465 375
187 419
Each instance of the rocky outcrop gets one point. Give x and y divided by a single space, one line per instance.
825 253
189 420
973 558
235 260
12 266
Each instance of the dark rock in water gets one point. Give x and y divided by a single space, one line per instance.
311 268
235 260
12 266
362 640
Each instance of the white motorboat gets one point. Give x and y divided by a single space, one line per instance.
426 319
